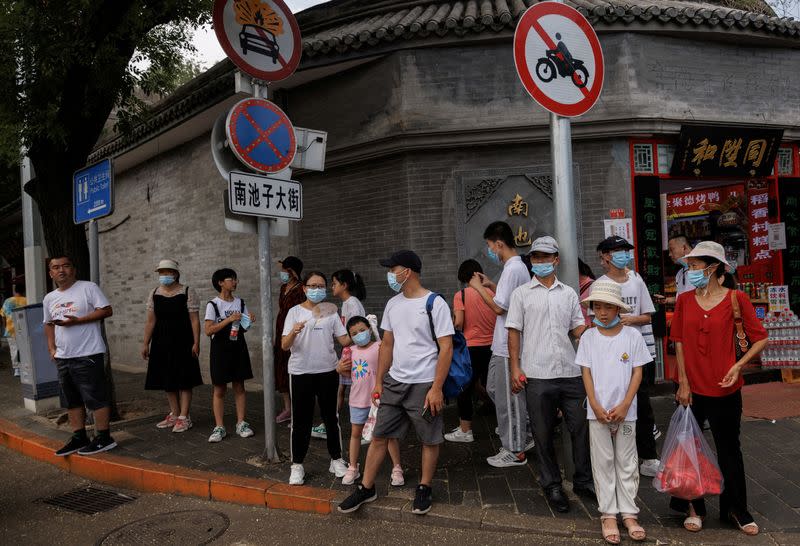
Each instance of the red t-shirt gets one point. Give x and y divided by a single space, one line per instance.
479 318
707 337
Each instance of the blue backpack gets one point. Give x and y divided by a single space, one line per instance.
461 366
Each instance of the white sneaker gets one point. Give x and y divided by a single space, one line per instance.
243 429
338 468
530 444
319 431
351 475
458 435
506 458
217 435
397 476
649 467
298 475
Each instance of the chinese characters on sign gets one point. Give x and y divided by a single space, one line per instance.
519 207
725 151
257 195
778 298
757 205
92 192
700 202
649 245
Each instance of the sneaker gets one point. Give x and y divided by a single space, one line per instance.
656 433
338 468
285 415
360 496
298 475
182 424
168 422
422 500
98 445
649 467
458 435
397 476
320 432
506 458
529 444
72 446
217 435
243 429
351 475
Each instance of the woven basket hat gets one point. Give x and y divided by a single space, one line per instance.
608 292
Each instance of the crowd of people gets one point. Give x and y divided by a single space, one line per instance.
541 354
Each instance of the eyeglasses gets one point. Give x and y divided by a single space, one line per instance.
315 286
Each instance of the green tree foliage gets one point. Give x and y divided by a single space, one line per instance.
64 65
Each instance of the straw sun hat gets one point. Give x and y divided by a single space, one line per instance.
608 292
710 249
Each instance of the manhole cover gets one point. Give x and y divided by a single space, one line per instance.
178 528
89 500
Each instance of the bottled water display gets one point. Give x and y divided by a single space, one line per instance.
783 349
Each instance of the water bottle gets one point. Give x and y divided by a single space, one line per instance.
234 331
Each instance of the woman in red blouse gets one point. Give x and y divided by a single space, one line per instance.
709 376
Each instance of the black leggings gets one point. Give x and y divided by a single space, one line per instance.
724 414
480 357
305 389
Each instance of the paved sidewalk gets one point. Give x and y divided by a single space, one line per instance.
465 487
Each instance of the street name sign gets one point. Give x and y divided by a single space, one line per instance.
92 192
257 195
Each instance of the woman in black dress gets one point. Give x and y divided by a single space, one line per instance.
172 344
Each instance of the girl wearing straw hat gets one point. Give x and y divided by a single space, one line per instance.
611 357
709 373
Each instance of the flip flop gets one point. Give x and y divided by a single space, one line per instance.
750 529
635 531
611 536
693 524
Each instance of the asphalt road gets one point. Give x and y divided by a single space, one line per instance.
25 519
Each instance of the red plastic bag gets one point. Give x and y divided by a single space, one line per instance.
689 468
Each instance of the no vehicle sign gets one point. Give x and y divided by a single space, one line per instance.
261 135
558 58
261 37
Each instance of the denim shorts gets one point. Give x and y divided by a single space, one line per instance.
358 416
83 382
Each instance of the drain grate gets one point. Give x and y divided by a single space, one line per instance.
89 500
196 527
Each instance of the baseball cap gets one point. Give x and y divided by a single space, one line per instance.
406 258
545 244
292 262
615 242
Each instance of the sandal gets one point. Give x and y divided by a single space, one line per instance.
750 529
635 531
610 534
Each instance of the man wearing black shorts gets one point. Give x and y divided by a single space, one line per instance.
411 373
72 315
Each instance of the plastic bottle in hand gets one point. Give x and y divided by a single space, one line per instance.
347 353
234 331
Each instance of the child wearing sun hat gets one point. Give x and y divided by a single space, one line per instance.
611 356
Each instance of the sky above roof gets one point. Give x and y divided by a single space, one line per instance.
209 51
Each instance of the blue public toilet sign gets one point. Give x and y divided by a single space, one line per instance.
92 192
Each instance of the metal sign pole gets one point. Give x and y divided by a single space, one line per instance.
564 200
94 252
268 359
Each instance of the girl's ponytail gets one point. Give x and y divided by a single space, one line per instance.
358 289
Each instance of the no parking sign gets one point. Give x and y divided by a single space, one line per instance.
261 135
559 59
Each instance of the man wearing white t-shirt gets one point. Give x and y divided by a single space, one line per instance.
512 415
679 247
72 315
616 253
412 368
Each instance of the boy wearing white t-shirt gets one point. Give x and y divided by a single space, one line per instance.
412 368
616 253
611 356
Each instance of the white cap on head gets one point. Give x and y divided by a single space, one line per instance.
545 244
168 264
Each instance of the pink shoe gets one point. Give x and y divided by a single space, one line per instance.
168 422
284 416
182 424
351 475
397 476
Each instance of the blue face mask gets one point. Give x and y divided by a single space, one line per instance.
543 270
284 276
611 324
166 280
697 278
620 258
362 338
391 278
495 259
245 321
681 262
316 295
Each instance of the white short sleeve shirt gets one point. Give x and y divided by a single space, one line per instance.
313 350
78 300
514 275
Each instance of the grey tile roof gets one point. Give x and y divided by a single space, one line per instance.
361 25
